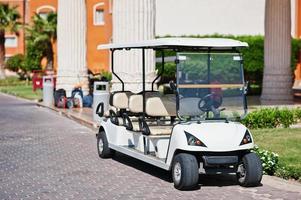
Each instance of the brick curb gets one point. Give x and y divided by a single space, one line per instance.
68 114
282 184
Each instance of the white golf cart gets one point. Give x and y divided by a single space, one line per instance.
192 130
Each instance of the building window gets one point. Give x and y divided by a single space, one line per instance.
45 9
99 18
11 41
43 15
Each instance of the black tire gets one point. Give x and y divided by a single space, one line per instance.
105 151
249 170
189 171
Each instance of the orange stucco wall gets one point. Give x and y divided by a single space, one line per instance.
10 51
298 18
98 34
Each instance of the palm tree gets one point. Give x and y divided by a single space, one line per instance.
9 17
42 34
277 78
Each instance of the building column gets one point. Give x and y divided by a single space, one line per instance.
71 45
277 77
133 20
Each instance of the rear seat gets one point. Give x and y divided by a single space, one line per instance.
118 102
120 99
163 106
136 101
157 105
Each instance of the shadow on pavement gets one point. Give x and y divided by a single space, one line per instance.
217 180
142 166
204 180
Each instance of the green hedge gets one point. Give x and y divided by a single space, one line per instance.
272 118
253 56
288 173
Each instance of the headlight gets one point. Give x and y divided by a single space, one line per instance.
246 139
193 141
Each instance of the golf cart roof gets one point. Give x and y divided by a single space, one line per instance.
185 43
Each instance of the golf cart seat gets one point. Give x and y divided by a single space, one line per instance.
163 106
118 106
160 130
136 101
120 99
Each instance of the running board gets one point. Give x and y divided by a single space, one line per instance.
140 156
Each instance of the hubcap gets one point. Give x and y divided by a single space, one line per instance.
177 172
100 145
241 172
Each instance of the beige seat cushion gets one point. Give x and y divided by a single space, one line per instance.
155 130
136 101
161 106
160 130
120 100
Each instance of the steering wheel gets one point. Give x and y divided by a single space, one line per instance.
213 99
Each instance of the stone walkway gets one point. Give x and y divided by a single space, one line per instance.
47 156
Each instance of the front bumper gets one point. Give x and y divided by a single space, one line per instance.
219 160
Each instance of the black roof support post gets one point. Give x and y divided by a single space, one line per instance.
162 69
143 80
112 67
208 73
145 146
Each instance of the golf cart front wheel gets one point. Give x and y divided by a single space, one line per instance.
103 146
185 171
249 172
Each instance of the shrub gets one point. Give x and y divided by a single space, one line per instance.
264 118
272 118
297 114
15 62
106 75
286 117
269 160
288 172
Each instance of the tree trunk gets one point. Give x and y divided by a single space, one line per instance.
2 54
49 55
277 78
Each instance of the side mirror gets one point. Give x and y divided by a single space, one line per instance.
246 87
100 109
173 86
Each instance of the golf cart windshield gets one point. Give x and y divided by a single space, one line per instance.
210 85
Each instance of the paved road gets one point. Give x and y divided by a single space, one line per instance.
46 156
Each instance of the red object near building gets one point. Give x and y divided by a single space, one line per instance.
37 79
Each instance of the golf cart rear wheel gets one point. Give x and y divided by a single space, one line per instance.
249 172
185 171
103 146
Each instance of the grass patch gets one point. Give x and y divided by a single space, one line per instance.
10 81
19 88
287 143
